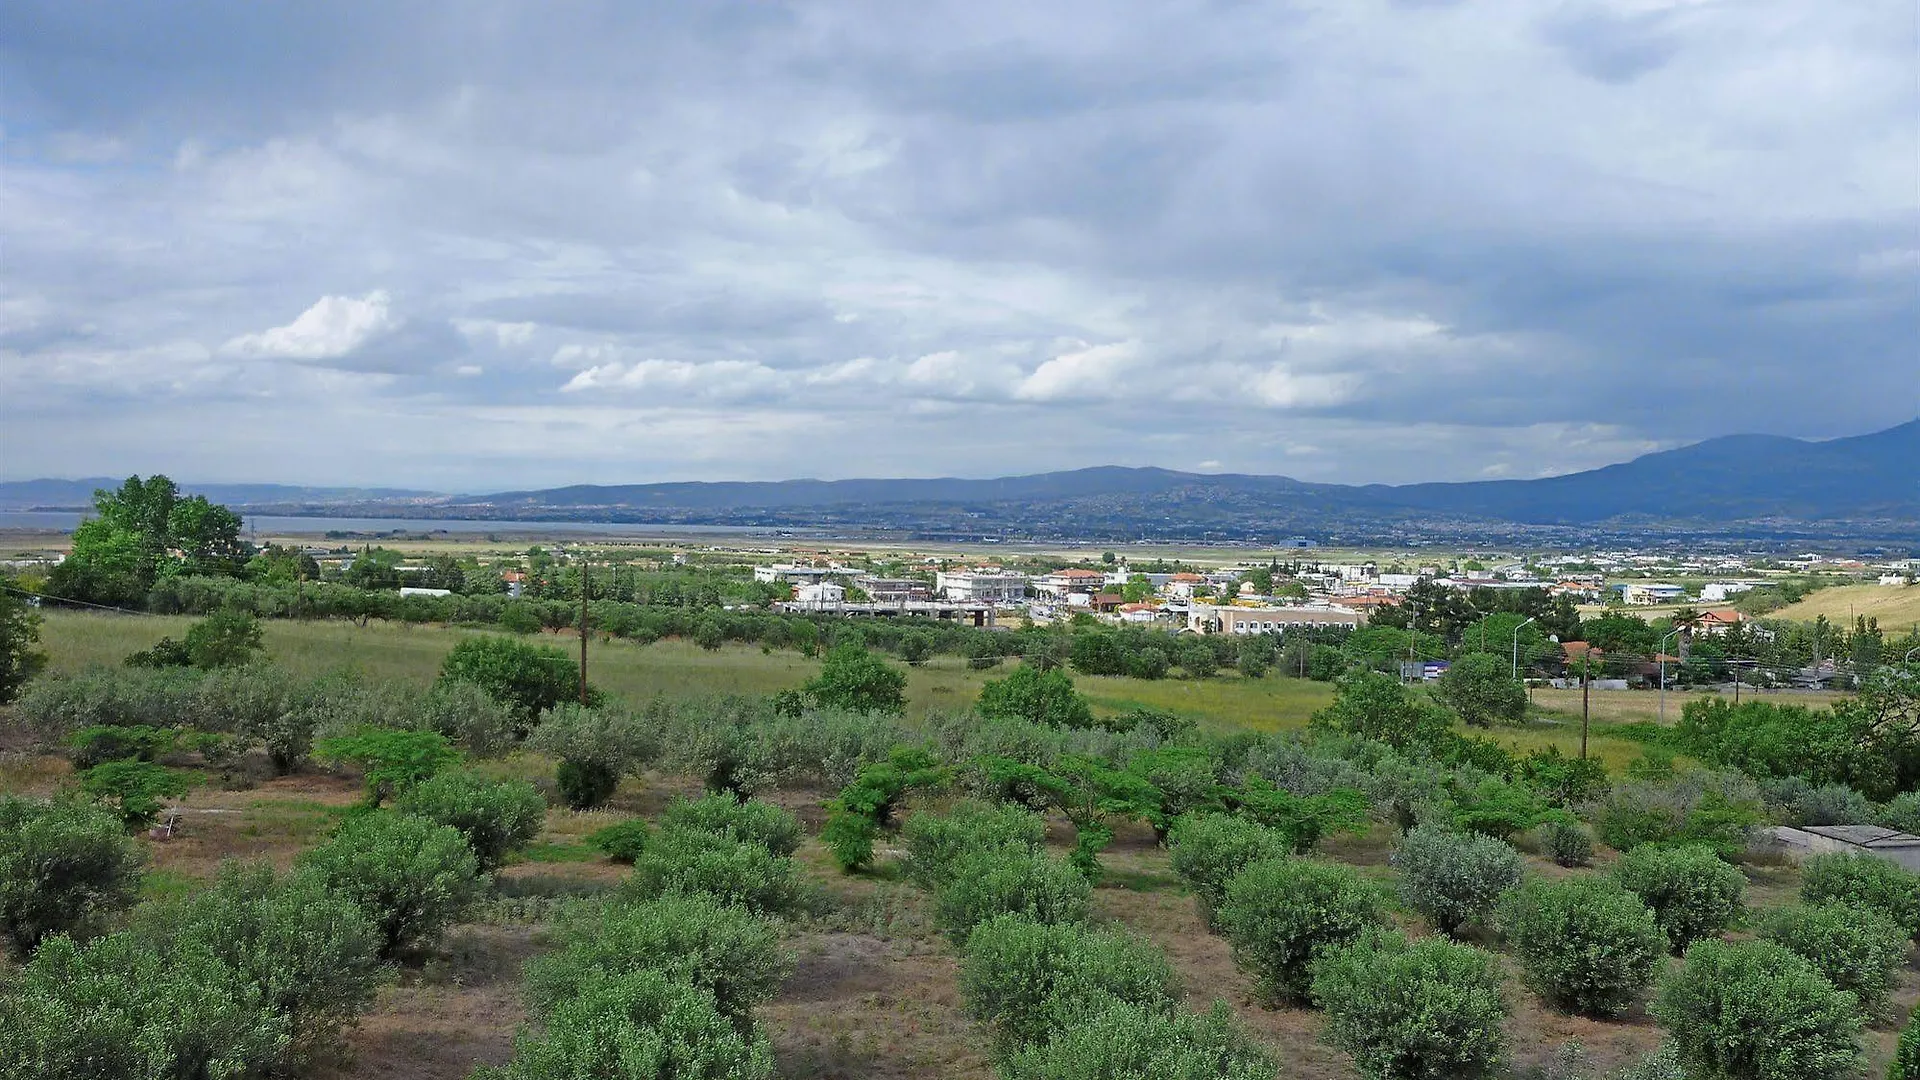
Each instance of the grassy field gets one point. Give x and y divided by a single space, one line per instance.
874 993
1896 606
677 669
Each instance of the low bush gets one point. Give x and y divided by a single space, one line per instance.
990 883
498 817
313 955
856 816
623 842
1585 944
642 1024
411 877
1697 807
118 1008
1857 949
1755 1011
54 707
725 951
1029 980
1863 881
935 842
1794 801
596 747
1408 1011
1692 892
1452 878
681 863
1906 1053
1209 849
1283 915
99 745
1128 1042
66 867
1567 842
728 818
390 760
135 789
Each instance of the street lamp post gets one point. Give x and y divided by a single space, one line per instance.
1662 658
1516 647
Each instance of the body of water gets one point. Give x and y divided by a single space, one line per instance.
282 525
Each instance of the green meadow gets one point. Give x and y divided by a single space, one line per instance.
678 669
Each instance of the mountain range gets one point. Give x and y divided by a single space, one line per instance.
1735 485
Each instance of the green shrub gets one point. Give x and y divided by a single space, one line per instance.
935 842
1452 878
411 877
117 1008
1698 807
1906 1054
596 747
391 760
864 807
680 863
99 745
1585 944
1863 881
725 951
1407 1011
990 883
65 868
1755 1011
1128 1042
527 678
641 1025
134 788
1282 915
466 714
1692 892
313 955
1857 949
728 818
1029 980
497 817
1567 842
56 707
623 842
1209 849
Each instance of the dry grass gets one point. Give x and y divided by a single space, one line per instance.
1896 606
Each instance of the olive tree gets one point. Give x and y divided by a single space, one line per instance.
65 867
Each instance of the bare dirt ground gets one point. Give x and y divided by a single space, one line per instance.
874 991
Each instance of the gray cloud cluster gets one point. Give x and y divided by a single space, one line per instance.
487 245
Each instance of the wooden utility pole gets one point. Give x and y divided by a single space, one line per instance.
584 579
1586 698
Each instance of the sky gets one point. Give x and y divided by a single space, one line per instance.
479 246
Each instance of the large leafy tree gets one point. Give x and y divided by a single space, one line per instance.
141 532
1482 689
19 631
854 679
1044 697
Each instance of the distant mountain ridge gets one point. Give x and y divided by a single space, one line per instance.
1714 486
1739 477
22 494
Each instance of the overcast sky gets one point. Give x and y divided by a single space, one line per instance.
473 246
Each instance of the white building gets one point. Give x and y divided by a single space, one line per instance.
820 594
408 590
1718 592
981 586
1225 619
790 572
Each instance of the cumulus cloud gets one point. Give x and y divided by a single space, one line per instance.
335 326
1347 239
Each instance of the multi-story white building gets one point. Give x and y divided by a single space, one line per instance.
1230 619
982 586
